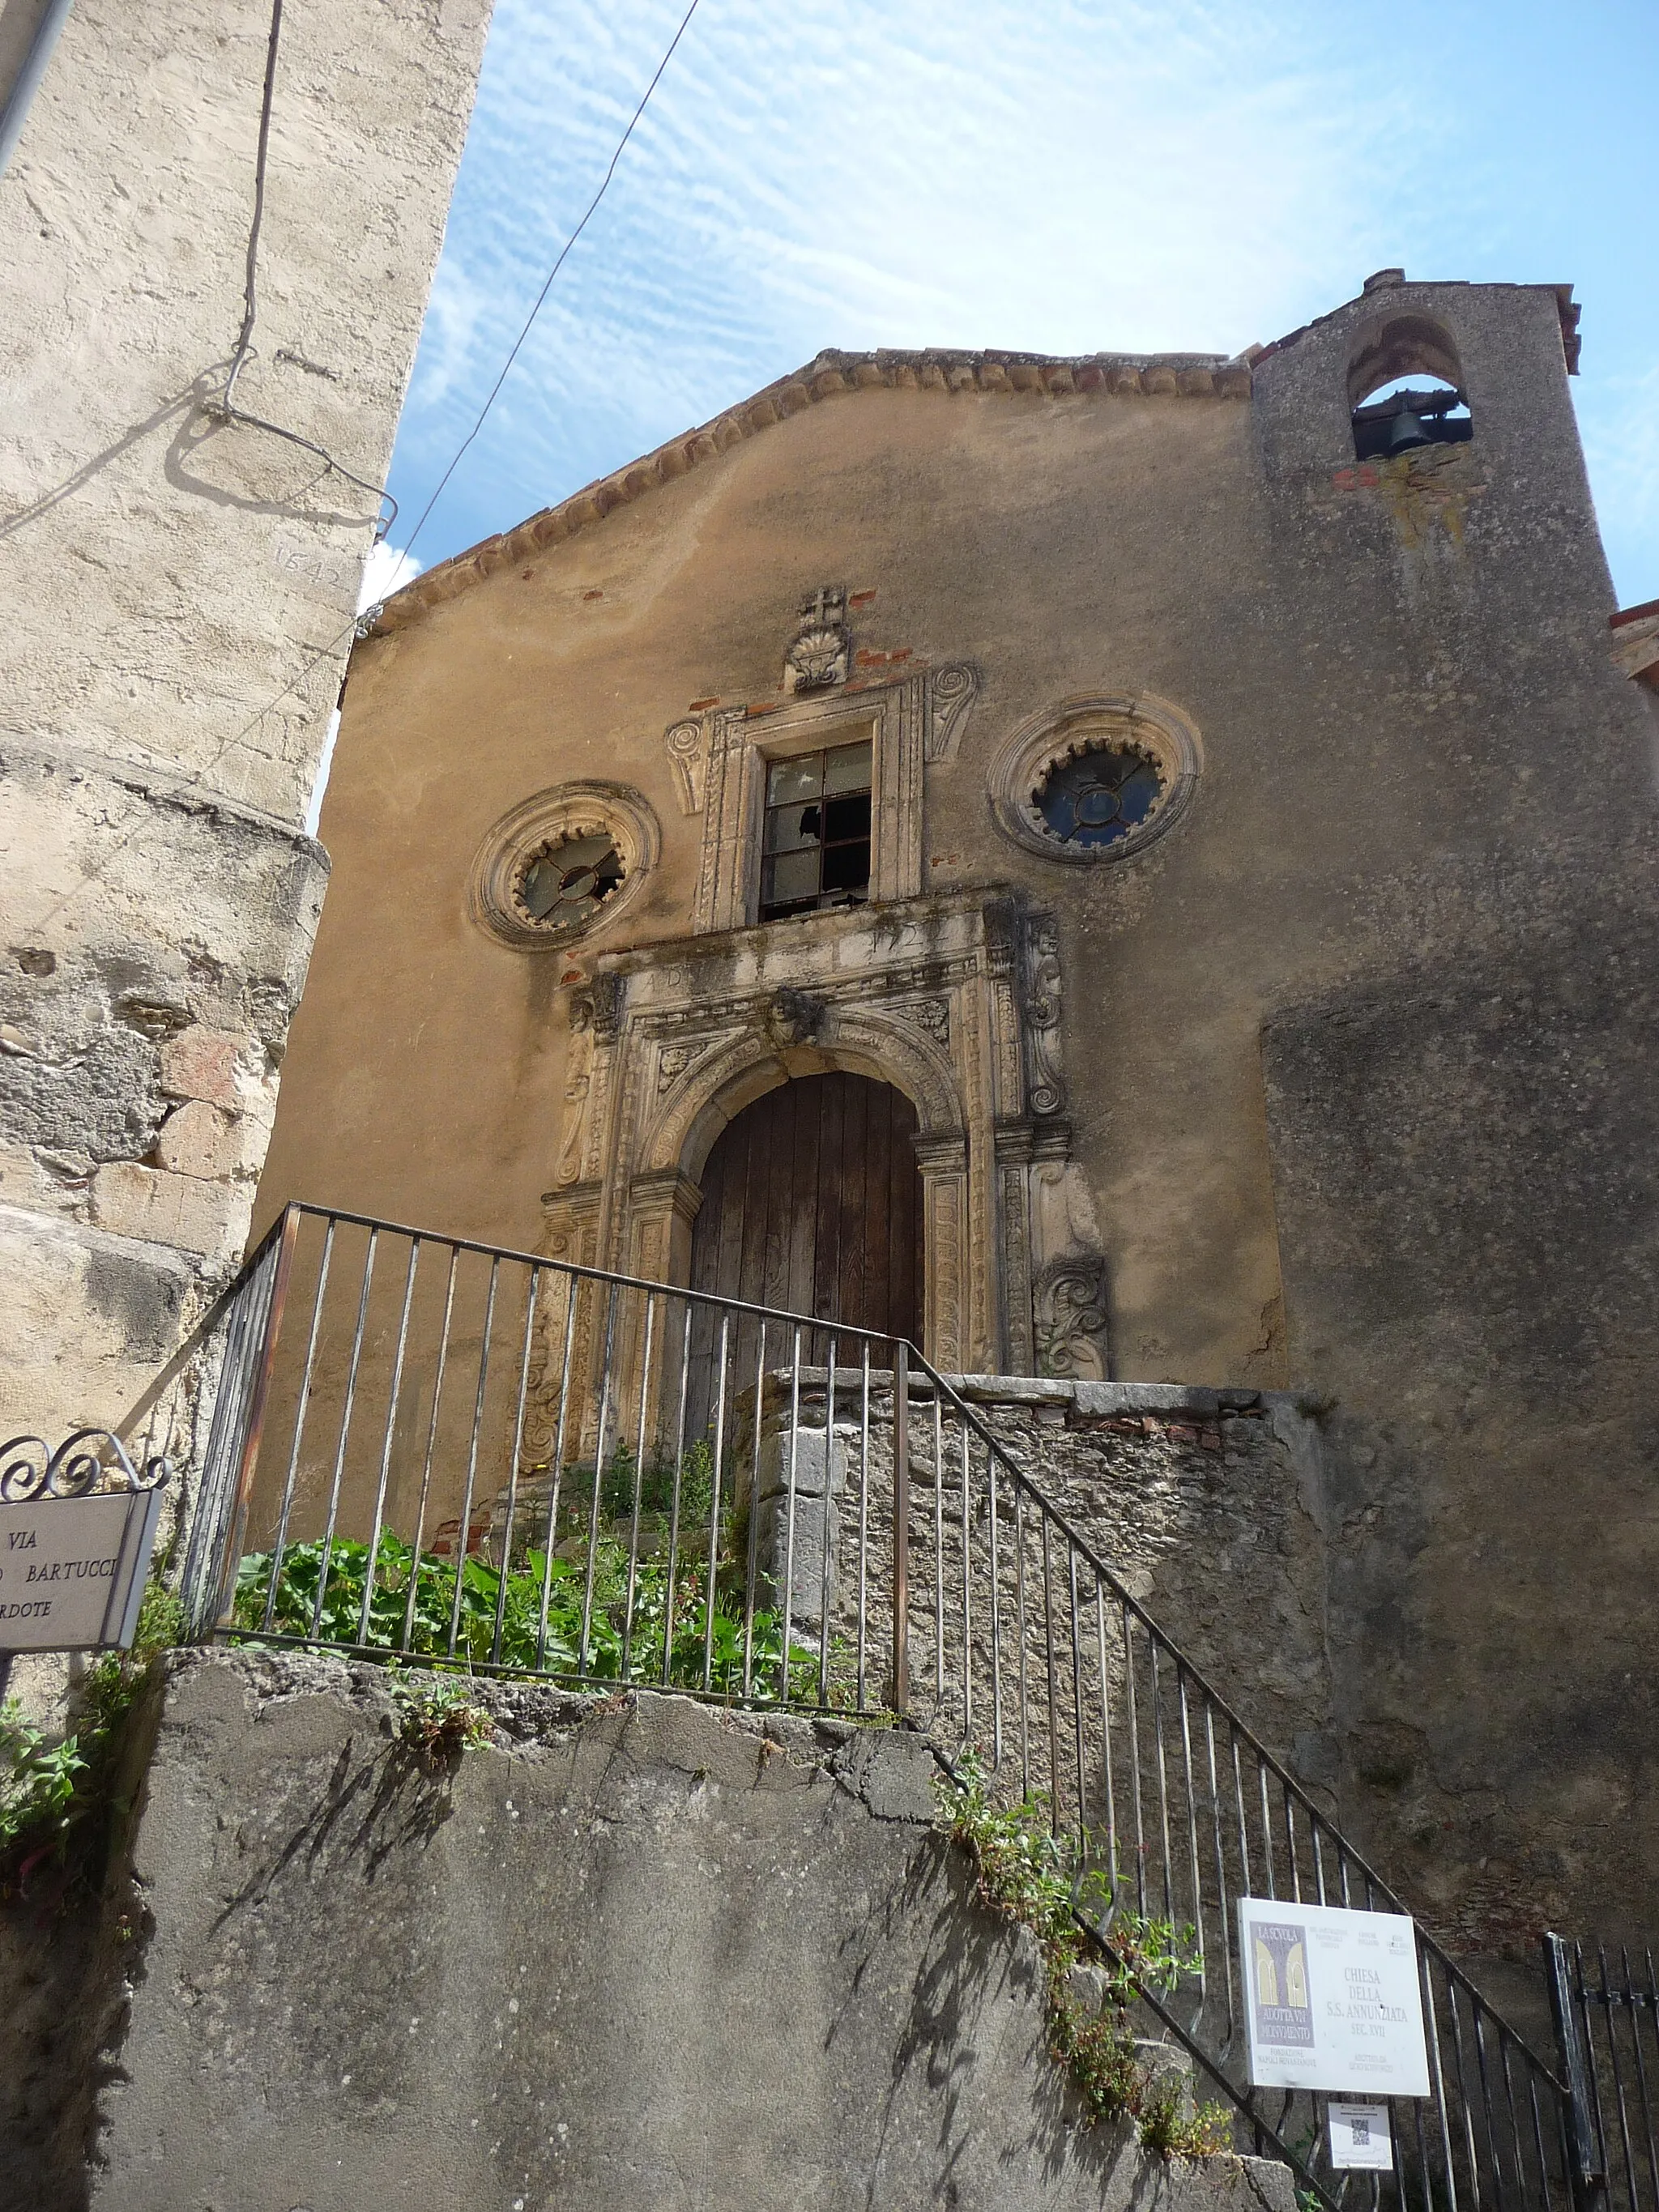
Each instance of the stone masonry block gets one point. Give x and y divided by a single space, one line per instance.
202 1063
128 1200
202 1140
811 1460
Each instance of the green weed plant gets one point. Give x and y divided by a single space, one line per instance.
50 1788
1030 1874
620 1646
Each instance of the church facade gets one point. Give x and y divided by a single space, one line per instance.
1126 867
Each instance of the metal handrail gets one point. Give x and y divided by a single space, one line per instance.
796 1453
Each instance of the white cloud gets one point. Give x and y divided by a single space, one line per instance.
1085 175
386 571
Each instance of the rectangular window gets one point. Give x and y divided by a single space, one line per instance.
815 847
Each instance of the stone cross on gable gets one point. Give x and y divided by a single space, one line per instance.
827 605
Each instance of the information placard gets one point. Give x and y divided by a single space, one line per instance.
1361 2139
72 1570
1333 2000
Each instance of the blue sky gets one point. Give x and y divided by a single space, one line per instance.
1045 174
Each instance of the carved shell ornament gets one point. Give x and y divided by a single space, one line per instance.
820 651
563 862
1095 779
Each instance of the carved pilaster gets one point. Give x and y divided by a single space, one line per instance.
1045 1076
943 1164
1014 1151
723 881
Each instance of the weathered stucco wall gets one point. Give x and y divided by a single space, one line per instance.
638 1953
1423 821
179 592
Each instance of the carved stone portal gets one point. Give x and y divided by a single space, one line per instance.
955 1000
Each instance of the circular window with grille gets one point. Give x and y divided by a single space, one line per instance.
1094 779
562 886
558 866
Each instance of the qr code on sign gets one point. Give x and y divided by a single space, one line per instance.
1361 2131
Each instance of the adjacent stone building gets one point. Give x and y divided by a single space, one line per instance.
180 562
1131 868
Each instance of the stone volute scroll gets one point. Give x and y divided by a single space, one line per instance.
952 691
688 754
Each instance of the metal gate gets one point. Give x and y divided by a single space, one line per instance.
1606 2005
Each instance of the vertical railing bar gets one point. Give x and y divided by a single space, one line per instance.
1107 1778
1191 1827
721 1380
938 1553
673 1592
864 1516
787 1604
1024 1636
1245 1874
556 1473
1436 2073
967 1590
1156 1692
900 1527
1048 1652
754 1520
274 1275
1267 1827
825 1534
393 1396
1509 2099
1618 2075
1077 1699
1539 2144
213 1524
996 1613
584 1640
1456 2015
1290 1846
1132 1710
639 1486
1314 1824
1603 2161
327 1555
300 1412
416 1553
465 1530
512 1466
1483 2072
1641 2066
1223 1943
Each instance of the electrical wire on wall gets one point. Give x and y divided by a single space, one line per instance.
225 406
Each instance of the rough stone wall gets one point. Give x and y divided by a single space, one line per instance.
636 1953
1211 1508
179 594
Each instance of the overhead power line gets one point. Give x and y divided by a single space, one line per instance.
541 296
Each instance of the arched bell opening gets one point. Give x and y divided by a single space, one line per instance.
1405 389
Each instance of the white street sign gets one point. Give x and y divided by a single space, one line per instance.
1360 2137
1331 1999
72 1570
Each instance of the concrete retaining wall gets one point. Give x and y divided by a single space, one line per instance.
638 1953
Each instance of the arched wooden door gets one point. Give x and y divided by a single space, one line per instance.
812 1201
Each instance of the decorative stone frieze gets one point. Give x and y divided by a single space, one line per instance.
955 1000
